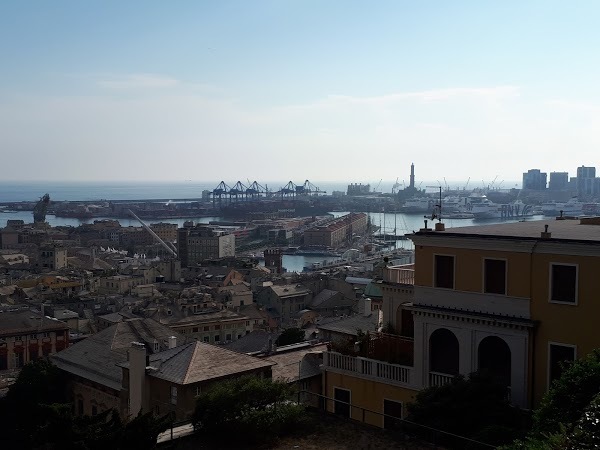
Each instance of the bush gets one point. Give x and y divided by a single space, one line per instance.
258 409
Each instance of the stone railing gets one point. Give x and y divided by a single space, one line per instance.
368 368
439 379
404 274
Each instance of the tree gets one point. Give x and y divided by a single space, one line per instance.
290 336
258 409
475 407
569 395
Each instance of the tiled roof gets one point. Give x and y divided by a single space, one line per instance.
327 299
291 366
96 357
254 342
197 361
350 325
290 290
26 321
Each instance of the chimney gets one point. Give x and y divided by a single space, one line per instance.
440 226
137 377
545 233
172 341
367 307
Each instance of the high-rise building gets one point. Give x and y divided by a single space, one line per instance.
535 180
559 181
586 181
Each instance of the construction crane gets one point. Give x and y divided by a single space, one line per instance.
170 249
378 184
40 209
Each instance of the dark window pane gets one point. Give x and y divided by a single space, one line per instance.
393 409
444 271
559 354
564 283
495 276
342 404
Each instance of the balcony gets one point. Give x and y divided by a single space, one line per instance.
403 274
370 369
502 305
439 379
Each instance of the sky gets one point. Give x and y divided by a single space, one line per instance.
315 89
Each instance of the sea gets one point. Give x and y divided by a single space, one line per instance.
398 223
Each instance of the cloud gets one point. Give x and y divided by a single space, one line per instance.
138 81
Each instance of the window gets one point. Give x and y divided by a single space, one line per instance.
46 335
198 391
228 337
217 327
156 347
342 402
444 272
206 339
494 276
217 338
18 338
195 330
393 411
558 354
563 283
33 336
206 328
173 395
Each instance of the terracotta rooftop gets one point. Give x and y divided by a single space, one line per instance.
26 321
197 361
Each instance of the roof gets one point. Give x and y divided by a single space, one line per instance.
567 229
290 290
62 314
290 365
373 290
196 361
26 321
358 280
350 325
96 357
327 299
253 342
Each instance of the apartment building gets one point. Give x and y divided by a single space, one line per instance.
52 257
514 299
28 335
200 243
337 232
166 231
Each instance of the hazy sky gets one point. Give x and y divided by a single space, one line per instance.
274 90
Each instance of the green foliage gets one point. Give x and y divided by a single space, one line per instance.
586 434
290 336
258 409
569 395
475 407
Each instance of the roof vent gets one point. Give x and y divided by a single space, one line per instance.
545 233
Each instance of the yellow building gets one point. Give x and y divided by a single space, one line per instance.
515 299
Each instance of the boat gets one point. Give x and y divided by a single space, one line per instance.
417 205
572 207
459 215
484 208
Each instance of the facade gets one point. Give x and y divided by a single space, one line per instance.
27 335
52 257
166 231
285 301
586 180
535 180
337 232
514 299
169 381
200 243
559 181
214 327
120 284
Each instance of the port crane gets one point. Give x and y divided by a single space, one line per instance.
40 209
169 248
